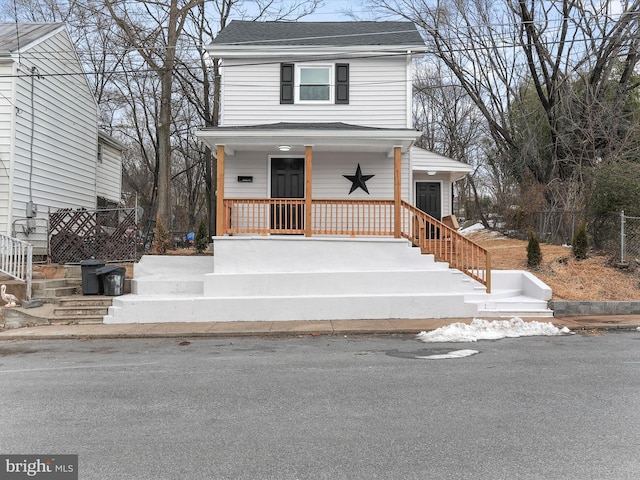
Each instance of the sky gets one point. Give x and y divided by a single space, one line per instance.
333 11
337 11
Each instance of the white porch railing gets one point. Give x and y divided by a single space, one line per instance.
16 259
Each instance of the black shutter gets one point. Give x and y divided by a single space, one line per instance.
342 83
286 83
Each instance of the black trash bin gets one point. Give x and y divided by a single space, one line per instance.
112 279
91 284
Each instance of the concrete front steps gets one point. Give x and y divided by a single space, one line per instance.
63 301
297 278
514 293
81 309
50 290
74 310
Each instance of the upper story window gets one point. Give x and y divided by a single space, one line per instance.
313 84
306 83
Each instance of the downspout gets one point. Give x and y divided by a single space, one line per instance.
15 111
31 207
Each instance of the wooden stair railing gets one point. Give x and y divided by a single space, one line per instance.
264 216
446 244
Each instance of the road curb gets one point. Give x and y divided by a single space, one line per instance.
578 328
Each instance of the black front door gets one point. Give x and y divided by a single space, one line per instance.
428 198
287 181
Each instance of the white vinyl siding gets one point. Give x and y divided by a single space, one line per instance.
249 164
328 171
109 174
7 112
377 95
64 131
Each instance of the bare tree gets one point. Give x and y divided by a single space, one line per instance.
550 78
451 126
199 75
153 29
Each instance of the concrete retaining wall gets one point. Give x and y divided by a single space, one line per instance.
569 308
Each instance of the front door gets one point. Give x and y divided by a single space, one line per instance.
287 181
428 198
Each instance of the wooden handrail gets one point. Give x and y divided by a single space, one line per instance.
446 244
265 216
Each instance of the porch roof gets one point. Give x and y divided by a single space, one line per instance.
333 136
426 161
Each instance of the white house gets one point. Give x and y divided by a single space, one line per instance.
51 151
321 192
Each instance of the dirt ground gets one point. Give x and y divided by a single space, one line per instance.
595 278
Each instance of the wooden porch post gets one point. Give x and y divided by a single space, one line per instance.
308 189
397 190
220 213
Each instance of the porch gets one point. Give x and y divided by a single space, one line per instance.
314 203
304 257
357 218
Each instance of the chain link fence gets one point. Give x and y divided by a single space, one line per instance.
558 226
629 240
617 234
551 226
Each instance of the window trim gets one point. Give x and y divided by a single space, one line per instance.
299 67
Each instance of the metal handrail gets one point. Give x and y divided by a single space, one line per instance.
16 260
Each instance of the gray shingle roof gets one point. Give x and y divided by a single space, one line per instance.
319 33
306 126
28 33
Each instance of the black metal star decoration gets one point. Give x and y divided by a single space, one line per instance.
358 180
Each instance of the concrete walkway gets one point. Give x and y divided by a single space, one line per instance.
287 328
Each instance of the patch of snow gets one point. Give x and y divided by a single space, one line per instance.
454 354
476 227
638 329
485 330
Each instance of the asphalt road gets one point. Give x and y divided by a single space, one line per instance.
327 407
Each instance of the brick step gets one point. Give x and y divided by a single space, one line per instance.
76 320
81 311
85 301
54 293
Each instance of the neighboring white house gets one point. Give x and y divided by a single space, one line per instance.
109 171
50 146
321 192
